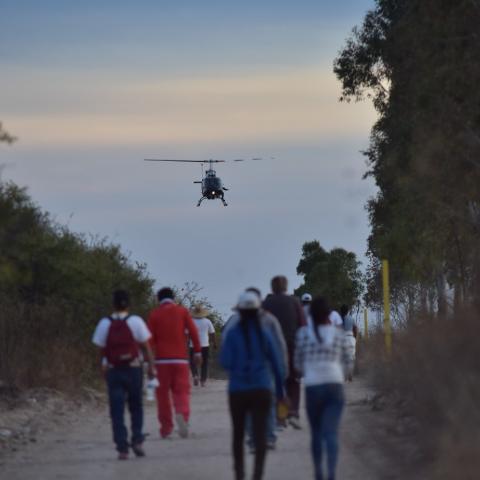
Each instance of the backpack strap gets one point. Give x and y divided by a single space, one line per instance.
113 319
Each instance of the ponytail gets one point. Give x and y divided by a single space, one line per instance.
319 311
247 316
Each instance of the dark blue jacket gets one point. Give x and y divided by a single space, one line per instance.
251 368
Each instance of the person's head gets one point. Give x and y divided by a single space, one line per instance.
344 309
165 293
199 311
256 291
121 300
248 305
306 299
279 284
320 311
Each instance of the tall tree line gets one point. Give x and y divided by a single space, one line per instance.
418 61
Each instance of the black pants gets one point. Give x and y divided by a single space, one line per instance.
257 404
204 369
292 385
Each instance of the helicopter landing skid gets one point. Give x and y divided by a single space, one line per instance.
225 204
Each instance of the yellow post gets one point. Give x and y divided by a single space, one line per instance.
386 307
365 323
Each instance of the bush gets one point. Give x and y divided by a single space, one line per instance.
434 369
54 287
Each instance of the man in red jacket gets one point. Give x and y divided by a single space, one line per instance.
170 325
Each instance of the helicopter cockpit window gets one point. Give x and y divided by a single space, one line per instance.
213 183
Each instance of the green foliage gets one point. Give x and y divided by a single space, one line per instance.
335 275
40 260
417 61
54 286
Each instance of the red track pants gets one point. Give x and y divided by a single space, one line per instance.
174 379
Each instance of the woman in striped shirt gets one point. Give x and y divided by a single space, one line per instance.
322 357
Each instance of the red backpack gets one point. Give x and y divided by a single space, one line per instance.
121 348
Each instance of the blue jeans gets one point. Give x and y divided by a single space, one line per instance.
324 409
125 384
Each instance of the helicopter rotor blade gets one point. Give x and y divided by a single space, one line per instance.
181 161
255 159
235 160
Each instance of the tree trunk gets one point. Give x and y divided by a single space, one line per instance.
440 285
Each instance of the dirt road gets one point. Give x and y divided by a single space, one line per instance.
85 451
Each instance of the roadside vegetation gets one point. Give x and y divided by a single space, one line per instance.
417 60
335 274
54 286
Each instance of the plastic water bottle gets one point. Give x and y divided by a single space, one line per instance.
152 385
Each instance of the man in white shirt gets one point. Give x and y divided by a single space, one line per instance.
120 338
306 301
206 332
336 319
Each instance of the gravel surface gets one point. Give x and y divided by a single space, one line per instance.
82 449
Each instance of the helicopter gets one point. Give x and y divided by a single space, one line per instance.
211 185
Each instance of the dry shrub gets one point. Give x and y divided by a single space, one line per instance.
44 346
435 371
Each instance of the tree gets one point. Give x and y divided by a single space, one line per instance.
5 136
335 275
190 294
54 286
416 59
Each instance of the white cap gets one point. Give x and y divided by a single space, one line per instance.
248 301
306 297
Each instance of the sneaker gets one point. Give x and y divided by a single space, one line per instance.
123 456
138 450
195 381
182 425
166 436
251 450
271 445
295 423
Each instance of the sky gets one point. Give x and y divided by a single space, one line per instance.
91 88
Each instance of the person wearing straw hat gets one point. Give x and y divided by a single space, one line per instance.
206 332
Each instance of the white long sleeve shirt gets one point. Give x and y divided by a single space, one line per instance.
322 361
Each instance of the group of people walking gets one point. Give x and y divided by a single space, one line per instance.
268 346
125 340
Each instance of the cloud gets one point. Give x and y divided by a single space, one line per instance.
106 108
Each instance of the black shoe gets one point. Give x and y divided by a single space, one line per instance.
295 423
138 450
